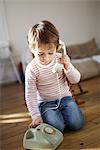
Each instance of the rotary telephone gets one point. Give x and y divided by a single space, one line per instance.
43 137
62 51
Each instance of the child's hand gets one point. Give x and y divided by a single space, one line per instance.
65 60
37 122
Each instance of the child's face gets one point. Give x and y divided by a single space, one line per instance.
45 53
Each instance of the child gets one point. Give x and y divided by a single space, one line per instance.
48 96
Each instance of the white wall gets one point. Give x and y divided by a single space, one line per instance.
76 21
3 23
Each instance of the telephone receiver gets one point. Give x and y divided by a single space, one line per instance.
62 50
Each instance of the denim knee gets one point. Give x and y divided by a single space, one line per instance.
73 116
80 124
77 124
52 116
59 126
56 122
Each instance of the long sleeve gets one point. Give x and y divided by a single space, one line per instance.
72 74
31 93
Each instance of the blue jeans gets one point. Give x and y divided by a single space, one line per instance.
67 115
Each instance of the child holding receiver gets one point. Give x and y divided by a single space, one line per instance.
47 93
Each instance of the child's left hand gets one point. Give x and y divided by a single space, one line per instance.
65 60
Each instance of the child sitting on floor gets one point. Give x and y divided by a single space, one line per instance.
47 94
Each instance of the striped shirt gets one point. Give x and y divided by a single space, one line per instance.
41 84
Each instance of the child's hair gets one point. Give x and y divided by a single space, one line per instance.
43 33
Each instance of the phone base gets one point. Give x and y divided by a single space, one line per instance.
43 137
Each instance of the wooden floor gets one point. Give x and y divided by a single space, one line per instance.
14 119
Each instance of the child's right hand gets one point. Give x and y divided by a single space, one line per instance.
36 122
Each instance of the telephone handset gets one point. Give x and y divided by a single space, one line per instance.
62 50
